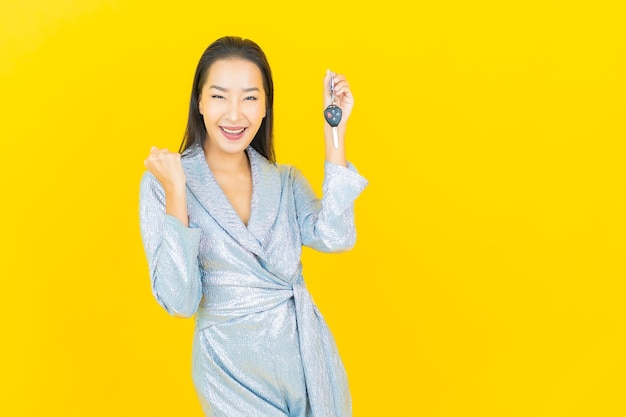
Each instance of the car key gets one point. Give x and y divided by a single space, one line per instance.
333 114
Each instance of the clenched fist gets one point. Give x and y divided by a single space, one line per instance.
166 167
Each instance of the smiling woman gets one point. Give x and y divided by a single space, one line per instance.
232 105
223 228
235 67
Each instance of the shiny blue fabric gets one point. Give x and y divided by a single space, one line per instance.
261 346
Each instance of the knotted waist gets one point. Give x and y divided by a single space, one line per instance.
223 303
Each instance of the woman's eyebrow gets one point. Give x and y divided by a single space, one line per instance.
247 90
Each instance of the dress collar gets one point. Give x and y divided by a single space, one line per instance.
266 194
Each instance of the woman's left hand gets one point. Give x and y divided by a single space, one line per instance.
343 95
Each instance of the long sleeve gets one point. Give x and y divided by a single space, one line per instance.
172 252
327 224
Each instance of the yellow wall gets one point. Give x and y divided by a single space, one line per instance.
488 279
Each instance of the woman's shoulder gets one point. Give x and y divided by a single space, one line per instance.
287 169
282 169
290 174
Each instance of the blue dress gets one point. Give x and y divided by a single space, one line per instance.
261 347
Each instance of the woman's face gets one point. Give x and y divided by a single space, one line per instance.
232 103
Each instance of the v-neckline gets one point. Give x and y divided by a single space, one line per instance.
231 206
264 205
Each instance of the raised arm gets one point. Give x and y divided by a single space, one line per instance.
171 247
328 224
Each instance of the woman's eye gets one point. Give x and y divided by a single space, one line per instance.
217 96
250 98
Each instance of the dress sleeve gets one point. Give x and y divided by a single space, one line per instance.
327 224
172 252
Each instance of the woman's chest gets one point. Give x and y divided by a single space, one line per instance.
227 243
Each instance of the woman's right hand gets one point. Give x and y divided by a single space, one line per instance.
167 168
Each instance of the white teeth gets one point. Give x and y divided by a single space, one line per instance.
233 132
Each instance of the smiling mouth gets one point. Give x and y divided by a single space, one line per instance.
233 131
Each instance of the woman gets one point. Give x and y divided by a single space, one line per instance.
223 227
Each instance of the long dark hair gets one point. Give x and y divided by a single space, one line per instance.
223 48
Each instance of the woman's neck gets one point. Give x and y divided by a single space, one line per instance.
226 162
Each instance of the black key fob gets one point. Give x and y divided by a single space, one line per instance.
332 114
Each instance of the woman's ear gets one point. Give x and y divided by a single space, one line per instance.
200 104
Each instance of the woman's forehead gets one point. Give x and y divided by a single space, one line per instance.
235 71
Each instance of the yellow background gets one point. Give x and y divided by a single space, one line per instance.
488 277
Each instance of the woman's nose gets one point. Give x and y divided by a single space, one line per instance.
234 111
